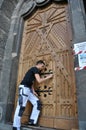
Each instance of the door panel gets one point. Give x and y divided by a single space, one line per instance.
47 36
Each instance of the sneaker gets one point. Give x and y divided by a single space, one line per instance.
31 124
16 128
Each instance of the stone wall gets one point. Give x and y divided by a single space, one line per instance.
79 35
6 10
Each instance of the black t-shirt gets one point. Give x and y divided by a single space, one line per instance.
30 77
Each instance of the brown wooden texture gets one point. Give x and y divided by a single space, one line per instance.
47 36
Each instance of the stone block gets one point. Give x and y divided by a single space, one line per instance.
4 23
8 7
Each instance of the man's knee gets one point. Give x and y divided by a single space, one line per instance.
21 110
20 100
39 105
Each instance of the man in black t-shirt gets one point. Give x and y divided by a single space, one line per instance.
27 92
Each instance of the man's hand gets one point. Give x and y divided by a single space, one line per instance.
35 93
50 76
40 80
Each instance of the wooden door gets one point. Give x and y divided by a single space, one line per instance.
47 36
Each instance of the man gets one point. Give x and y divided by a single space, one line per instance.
26 92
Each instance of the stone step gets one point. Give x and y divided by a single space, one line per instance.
75 129
37 128
27 127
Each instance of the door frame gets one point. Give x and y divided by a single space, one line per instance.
16 29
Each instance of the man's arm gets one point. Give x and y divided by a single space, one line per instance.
40 80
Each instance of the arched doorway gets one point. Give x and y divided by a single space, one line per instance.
47 36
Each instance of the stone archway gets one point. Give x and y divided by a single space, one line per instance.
14 42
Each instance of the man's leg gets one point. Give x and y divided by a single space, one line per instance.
22 101
36 108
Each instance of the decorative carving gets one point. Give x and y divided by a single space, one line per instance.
29 5
60 0
43 2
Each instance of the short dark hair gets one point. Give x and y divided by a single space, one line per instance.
40 62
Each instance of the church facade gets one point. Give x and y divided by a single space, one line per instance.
31 30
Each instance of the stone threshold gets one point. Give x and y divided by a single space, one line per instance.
25 127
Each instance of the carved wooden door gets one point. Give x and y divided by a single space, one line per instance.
47 36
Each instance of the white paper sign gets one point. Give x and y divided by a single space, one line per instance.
80 47
81 57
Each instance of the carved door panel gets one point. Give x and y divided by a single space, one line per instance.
47 36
